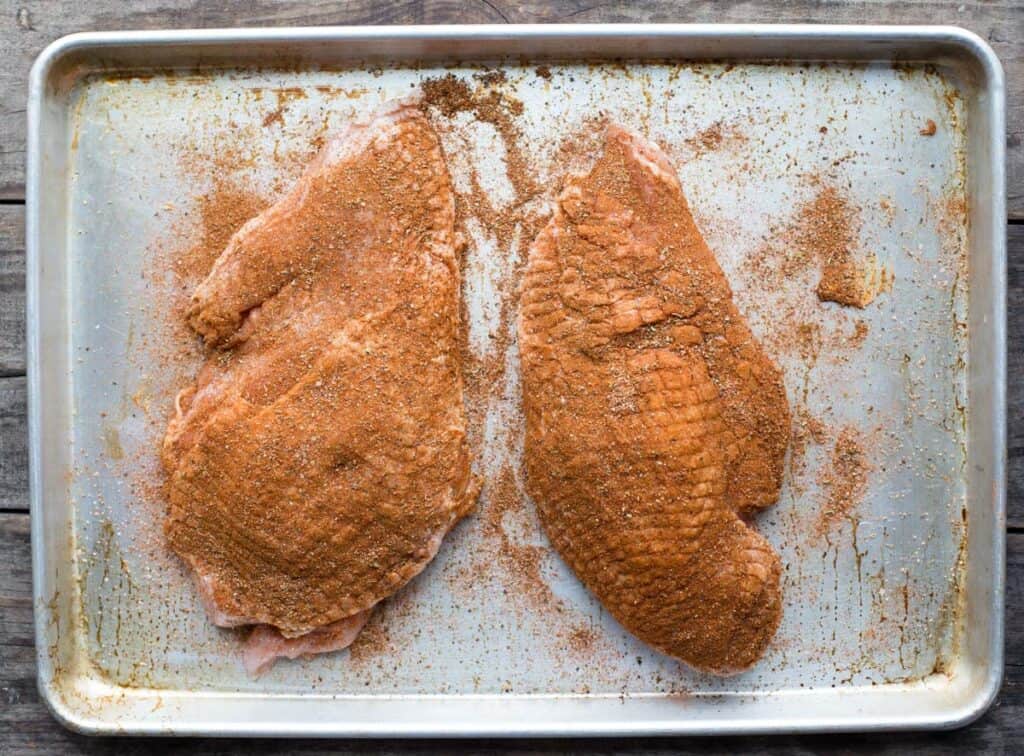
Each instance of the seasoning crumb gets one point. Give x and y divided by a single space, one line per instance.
929 128
713 138
491 78
853 284
581 639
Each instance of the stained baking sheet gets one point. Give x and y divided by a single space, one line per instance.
137 140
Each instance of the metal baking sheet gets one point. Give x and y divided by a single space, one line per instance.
893 612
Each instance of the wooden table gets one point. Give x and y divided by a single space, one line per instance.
28 25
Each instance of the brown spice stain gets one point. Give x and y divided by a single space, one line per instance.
954 210
354 93
285 96
929 128
887 207
274 116
289 94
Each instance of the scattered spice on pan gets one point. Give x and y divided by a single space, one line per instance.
581 639
713 138
222 211
285 96
807 430
521 561
860 333
451 95
822 235
843 480
173 270
826 233
509 524
708 139
373 639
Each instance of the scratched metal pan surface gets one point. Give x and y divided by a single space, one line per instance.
893 595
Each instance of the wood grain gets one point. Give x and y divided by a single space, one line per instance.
13 446
12 290
28 27
26 726
1015 377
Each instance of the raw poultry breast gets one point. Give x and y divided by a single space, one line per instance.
320 457
655 421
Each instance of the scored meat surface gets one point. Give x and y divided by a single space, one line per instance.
655 422
320 457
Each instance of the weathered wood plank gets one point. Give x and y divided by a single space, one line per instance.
1015 377
12 290
17 649
26 727
27 27
13 446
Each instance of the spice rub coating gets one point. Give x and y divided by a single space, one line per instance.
655 422
320 457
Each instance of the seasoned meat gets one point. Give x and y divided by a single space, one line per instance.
655 422
320 457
